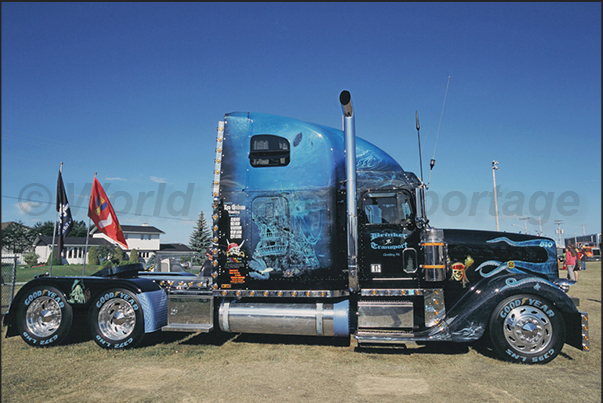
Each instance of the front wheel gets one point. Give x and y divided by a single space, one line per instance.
527 329
44 317
116 319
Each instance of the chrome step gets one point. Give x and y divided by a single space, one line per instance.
188 327
383 337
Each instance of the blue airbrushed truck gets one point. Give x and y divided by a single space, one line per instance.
319 233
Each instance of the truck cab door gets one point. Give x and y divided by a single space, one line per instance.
388 239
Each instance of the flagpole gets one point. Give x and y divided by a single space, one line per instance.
87 234
86 250
54 230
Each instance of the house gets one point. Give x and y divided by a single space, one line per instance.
74 248
144 238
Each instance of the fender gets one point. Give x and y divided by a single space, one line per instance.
91 287
468 317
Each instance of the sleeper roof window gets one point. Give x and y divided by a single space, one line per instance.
267 150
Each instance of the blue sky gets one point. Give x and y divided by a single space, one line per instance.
134 91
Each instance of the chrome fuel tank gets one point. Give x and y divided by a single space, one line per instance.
308 319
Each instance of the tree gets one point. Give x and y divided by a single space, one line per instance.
79 229
56 259
93 256
31 258
45 228
17 238
200 240
117 255
104 253
134 256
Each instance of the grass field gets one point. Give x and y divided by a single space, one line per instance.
184 367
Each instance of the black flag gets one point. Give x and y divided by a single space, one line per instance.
65 220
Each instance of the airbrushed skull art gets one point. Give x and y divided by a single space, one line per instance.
234 251
458 270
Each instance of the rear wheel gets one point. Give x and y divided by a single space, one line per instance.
116 320
44 317
527 329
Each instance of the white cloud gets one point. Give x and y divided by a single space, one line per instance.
115 179
158 180
26 207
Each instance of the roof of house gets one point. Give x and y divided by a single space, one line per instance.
134 229
174 247
44 240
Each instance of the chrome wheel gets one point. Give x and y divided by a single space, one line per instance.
116 319
43 317
528 329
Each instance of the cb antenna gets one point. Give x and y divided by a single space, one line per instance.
419 136
432 162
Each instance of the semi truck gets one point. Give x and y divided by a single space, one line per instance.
317 232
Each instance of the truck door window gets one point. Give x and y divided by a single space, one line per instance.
405 208
267 150
381 209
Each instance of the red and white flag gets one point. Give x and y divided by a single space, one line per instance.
101 212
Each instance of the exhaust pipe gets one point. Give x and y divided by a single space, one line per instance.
350 187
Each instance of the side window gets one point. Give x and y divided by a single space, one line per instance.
267 150
405 207
380 209
387 208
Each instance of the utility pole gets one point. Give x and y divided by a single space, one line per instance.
559 230
495 168
525 223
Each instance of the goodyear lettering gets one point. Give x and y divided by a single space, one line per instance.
104 299
118 294
538 304
32 296
36 294
510 306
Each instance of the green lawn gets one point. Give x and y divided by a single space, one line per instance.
25 273
175 367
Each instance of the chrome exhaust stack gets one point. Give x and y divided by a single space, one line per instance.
350 186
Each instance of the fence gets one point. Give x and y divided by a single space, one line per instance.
9 277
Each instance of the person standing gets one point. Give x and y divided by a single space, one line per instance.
583 260
570 262
577 267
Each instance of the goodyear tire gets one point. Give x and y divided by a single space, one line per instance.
527 329
44 317
116 319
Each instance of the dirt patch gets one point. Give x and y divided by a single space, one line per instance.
391 385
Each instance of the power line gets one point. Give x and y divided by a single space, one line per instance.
120 212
